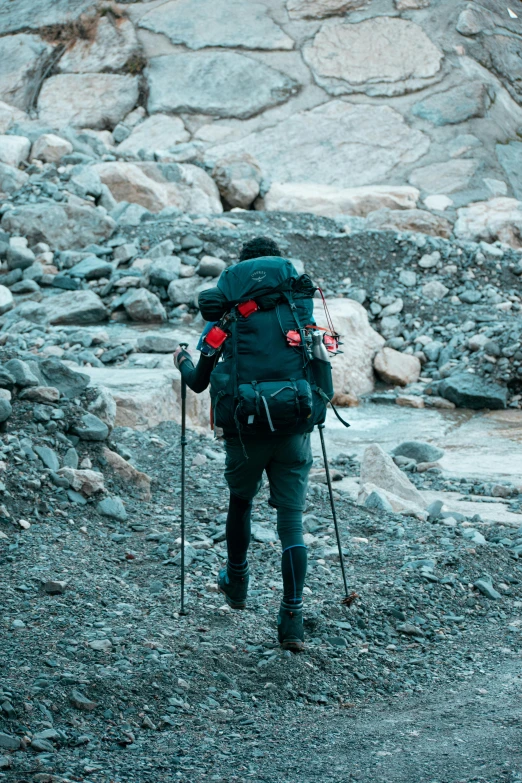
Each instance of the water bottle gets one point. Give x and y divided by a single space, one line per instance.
321 367
319 350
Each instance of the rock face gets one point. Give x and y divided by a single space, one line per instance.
50 148
329 201
202 23
338 143
510 158
63 227
14 149
87 100
157 133
418 220
224 84
74 307
317 9
379 470
159 185
114 43
28 14
466 390
397 368
22 58
238 178
11 179
445 177
352 370
499 218
381 56
455 105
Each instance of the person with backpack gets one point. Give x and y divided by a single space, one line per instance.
269 387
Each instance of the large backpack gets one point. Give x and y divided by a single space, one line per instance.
264 382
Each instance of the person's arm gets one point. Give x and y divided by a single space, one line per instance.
197 378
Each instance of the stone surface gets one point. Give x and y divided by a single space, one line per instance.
11 179
88 482
113 508
33 14
417 220
418 451
14 149
142 305
378 469
91 428
6 300
18 257
113 45
380 56
21 372
499 218
223 84
202 23
159 185
238 178
209 266
74 307
9 115
159 133
329 201
90 100
397 368
510 158
455 105
434 290
62 226
318 9
183 291
164 270
48 457
338 143
352 370
91 268
22 59
467 390
157 343
447 177
41 394
69 382
104 407
128 473
50 148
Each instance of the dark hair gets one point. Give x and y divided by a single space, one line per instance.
258 247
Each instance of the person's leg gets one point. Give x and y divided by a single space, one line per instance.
238 533
294 557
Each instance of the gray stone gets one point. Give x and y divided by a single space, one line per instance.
470 296
485 586
338 142
510 158
224 84
91 428
74 307
8 742
11 179
112 46
143 305
22 59
55 587
434 510
157 343
317 9
14 150
432 351
33 14
5 409
48 457
238 178
378 502
62 226
164 270
21 372
7 380
69 382
71 458
418 451
467 390
6 300
183 291
408 278
19 257
264 535
91 268
160 250
434 290
380 56
159 133
202 23
378 469
81 702
104 406
113 508
210 266
444 178
417 220
455 105
409 629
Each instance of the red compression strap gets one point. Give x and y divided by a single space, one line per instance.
247 308
216 337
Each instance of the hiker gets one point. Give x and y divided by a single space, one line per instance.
265 396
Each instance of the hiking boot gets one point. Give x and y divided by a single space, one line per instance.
234 586
290 627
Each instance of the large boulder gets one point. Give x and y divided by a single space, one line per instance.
50 148
418 451
22 58
90 100
62 226
55 373
500 218
112 46
338 142
397 368
380 56
159 185
417 220
238 178
202 23
317 9
33 14
224 84
14 149
159 133
164 270
352 370
73 307
467 390
379 470
329 201
142 305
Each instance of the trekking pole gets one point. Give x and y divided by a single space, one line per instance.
348 598
183 445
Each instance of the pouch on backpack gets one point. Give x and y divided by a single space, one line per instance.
274 405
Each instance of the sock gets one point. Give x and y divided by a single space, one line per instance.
293 566
238 534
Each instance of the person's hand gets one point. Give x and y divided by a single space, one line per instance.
179 356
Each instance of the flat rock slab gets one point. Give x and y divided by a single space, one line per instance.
223 84
447 177
329 201
499 218
455 105
202 23
157 133
89 100
63 227
33 14
21 59
381 56
470 391
420 221
114 43
318 9
510 158
338 143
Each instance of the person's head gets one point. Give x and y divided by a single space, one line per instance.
259 247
